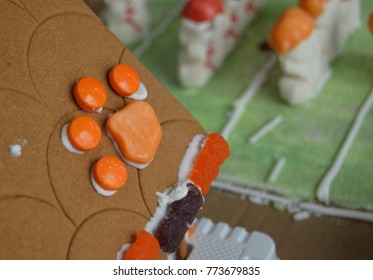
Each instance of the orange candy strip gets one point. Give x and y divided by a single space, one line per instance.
214 152
137 131
84 133
146 247
370 23
110 173
90 94
314 7
293 27
124 79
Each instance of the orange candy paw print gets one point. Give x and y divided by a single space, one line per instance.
135 129
136 133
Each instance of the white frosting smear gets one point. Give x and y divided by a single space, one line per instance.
15 150
140 94
164 199
189 157
66 142
99 189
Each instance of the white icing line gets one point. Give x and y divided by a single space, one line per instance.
66 142
276 170
305 206
167 20
323 190
99 189
239 104
266 129
122 251
189 157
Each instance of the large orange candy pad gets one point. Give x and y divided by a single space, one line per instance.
136 131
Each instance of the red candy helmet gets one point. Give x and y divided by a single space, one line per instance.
202 10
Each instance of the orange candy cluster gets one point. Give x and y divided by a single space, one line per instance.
206 167
146 247
84 133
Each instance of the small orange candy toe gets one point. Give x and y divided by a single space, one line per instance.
110 173
146 247
90 94
84 133
214 152
124 79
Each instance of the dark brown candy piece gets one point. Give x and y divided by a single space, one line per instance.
180 216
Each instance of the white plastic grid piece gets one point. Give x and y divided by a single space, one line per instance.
221 242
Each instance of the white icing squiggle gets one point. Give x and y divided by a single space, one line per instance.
305 206
66 142
189 157
323 190
164 199
266 129
240 103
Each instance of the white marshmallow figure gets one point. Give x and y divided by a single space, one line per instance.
349 19
334 20
129 20
201 37
240 14
209 30
300 54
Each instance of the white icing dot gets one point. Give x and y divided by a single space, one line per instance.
15 150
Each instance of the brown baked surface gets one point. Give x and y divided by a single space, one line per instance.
48 208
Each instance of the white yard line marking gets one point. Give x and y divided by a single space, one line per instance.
167 20
266 129
323 190
302 206
276 170
240 103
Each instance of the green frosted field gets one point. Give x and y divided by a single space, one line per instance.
309 136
